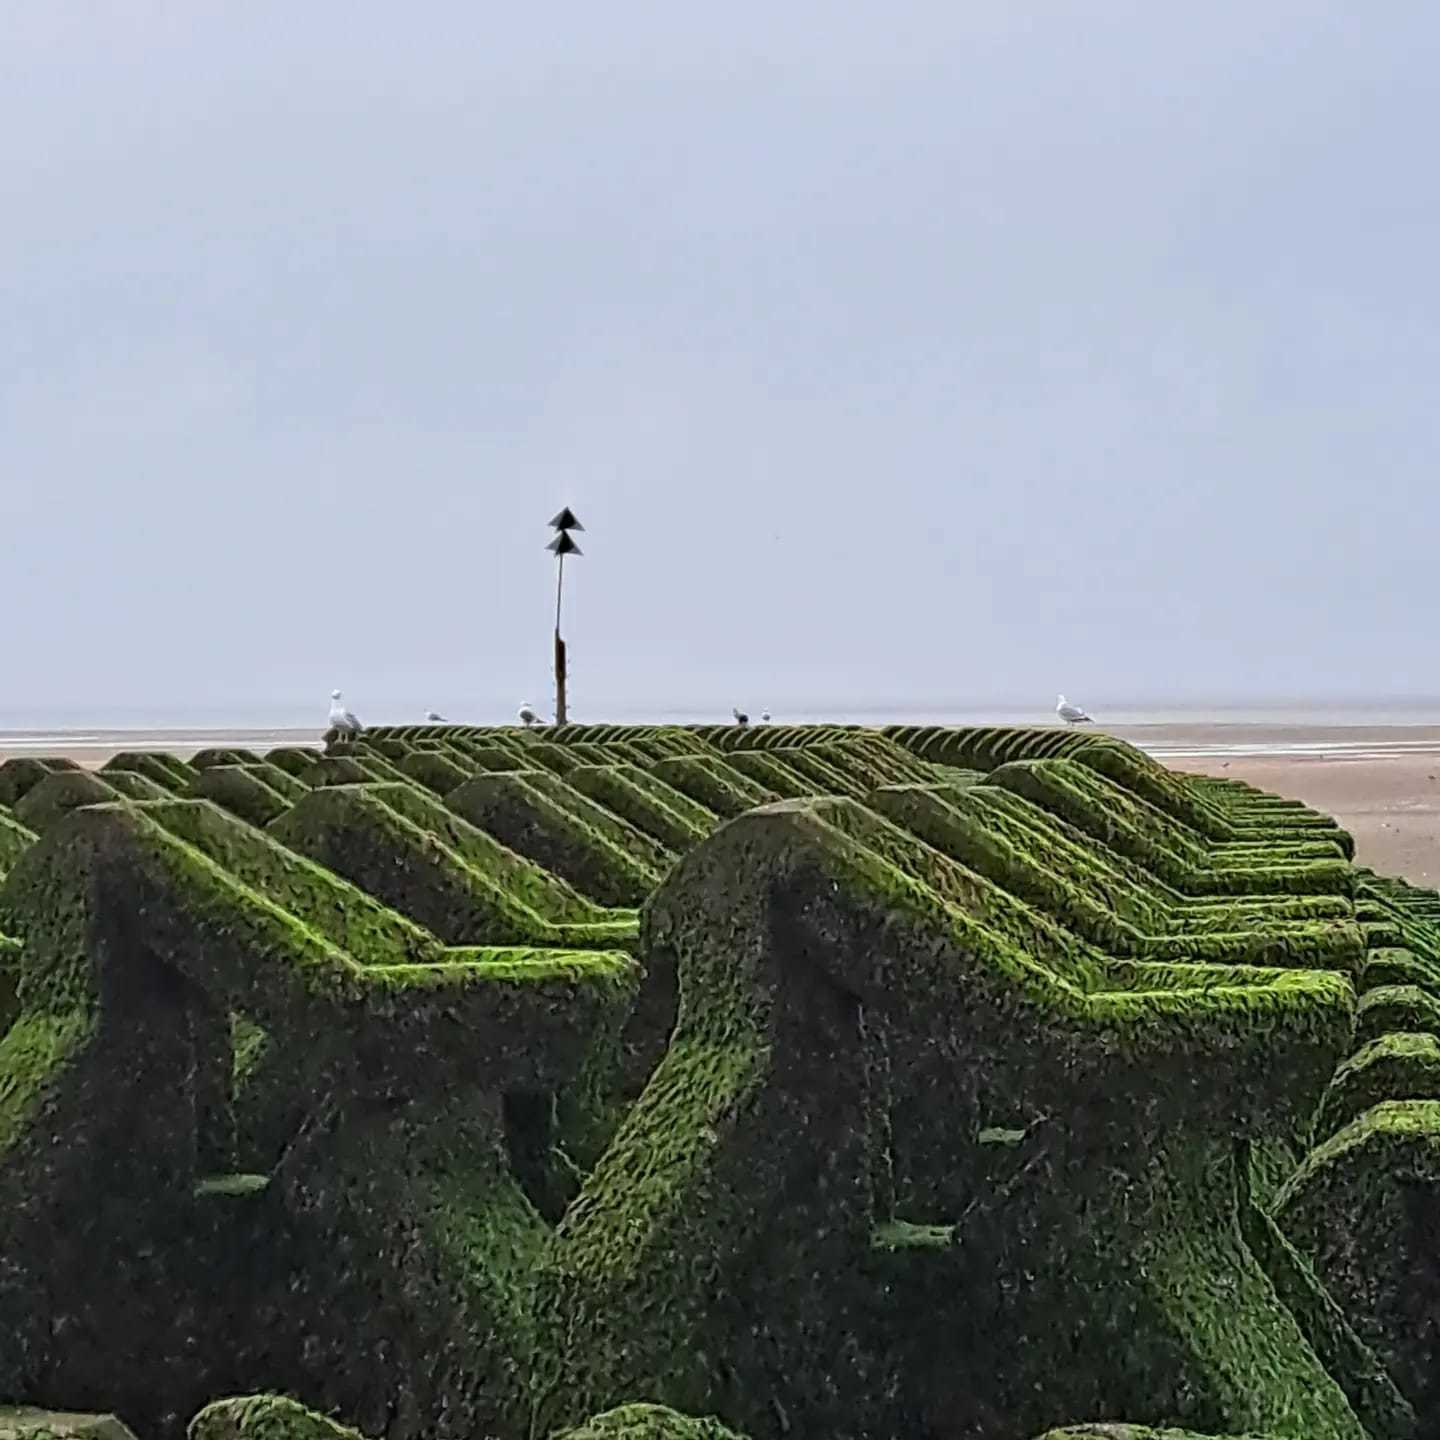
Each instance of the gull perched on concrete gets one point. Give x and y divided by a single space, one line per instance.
1072 714
527 715
342 719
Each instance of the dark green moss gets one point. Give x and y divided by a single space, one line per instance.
797 945
223 755
338 770
165 770
265 1417
343 914
644 849
709 781
648 1422
1360 1209
1127 825
1389 1009
538 889
1390 1067
282 782
522 817
621 789
234 788
436 773
352 832
292 759
134 786
18 776
988 830
45 805
15 839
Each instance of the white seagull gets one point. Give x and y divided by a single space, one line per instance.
740 717
527 715
436 718
342 719
764 717
1072 714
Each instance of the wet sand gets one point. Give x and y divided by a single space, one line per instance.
1381 782
1390 805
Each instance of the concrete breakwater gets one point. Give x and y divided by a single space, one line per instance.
630 1080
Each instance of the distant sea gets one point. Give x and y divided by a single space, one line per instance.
1296 727
283 714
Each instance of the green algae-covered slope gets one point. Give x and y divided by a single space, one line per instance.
770 1078
464 1080
144 927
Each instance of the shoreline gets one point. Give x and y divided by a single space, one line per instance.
1160 738
1381 781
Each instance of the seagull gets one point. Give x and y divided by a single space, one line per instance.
1072 714
342 719
527 715
764 717
740 717
435 717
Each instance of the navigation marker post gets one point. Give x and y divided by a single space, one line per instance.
562 545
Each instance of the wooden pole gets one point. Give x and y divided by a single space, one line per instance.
559 647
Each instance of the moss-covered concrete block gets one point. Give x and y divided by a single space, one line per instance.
713 784
19 775
236 789
338 770
1362 1210
804 956
648 1422
46 804
165 770
773 774
1392 1009
622 790
1018 847
644 849
538 889
524 818
223 755
1130 826
265 1417
133 786
1396 1066
139 947
351 831
293 759
439 774
15 839
26 1422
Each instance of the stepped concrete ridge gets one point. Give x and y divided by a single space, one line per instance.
692 1083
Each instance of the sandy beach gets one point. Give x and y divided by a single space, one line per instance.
1381 781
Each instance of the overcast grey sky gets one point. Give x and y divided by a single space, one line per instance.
889 351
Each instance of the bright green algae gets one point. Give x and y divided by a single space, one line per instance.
976 825
236 789
712 783
352 831
717 1069
623 790
1128 825
47 803
522 812
1001 915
